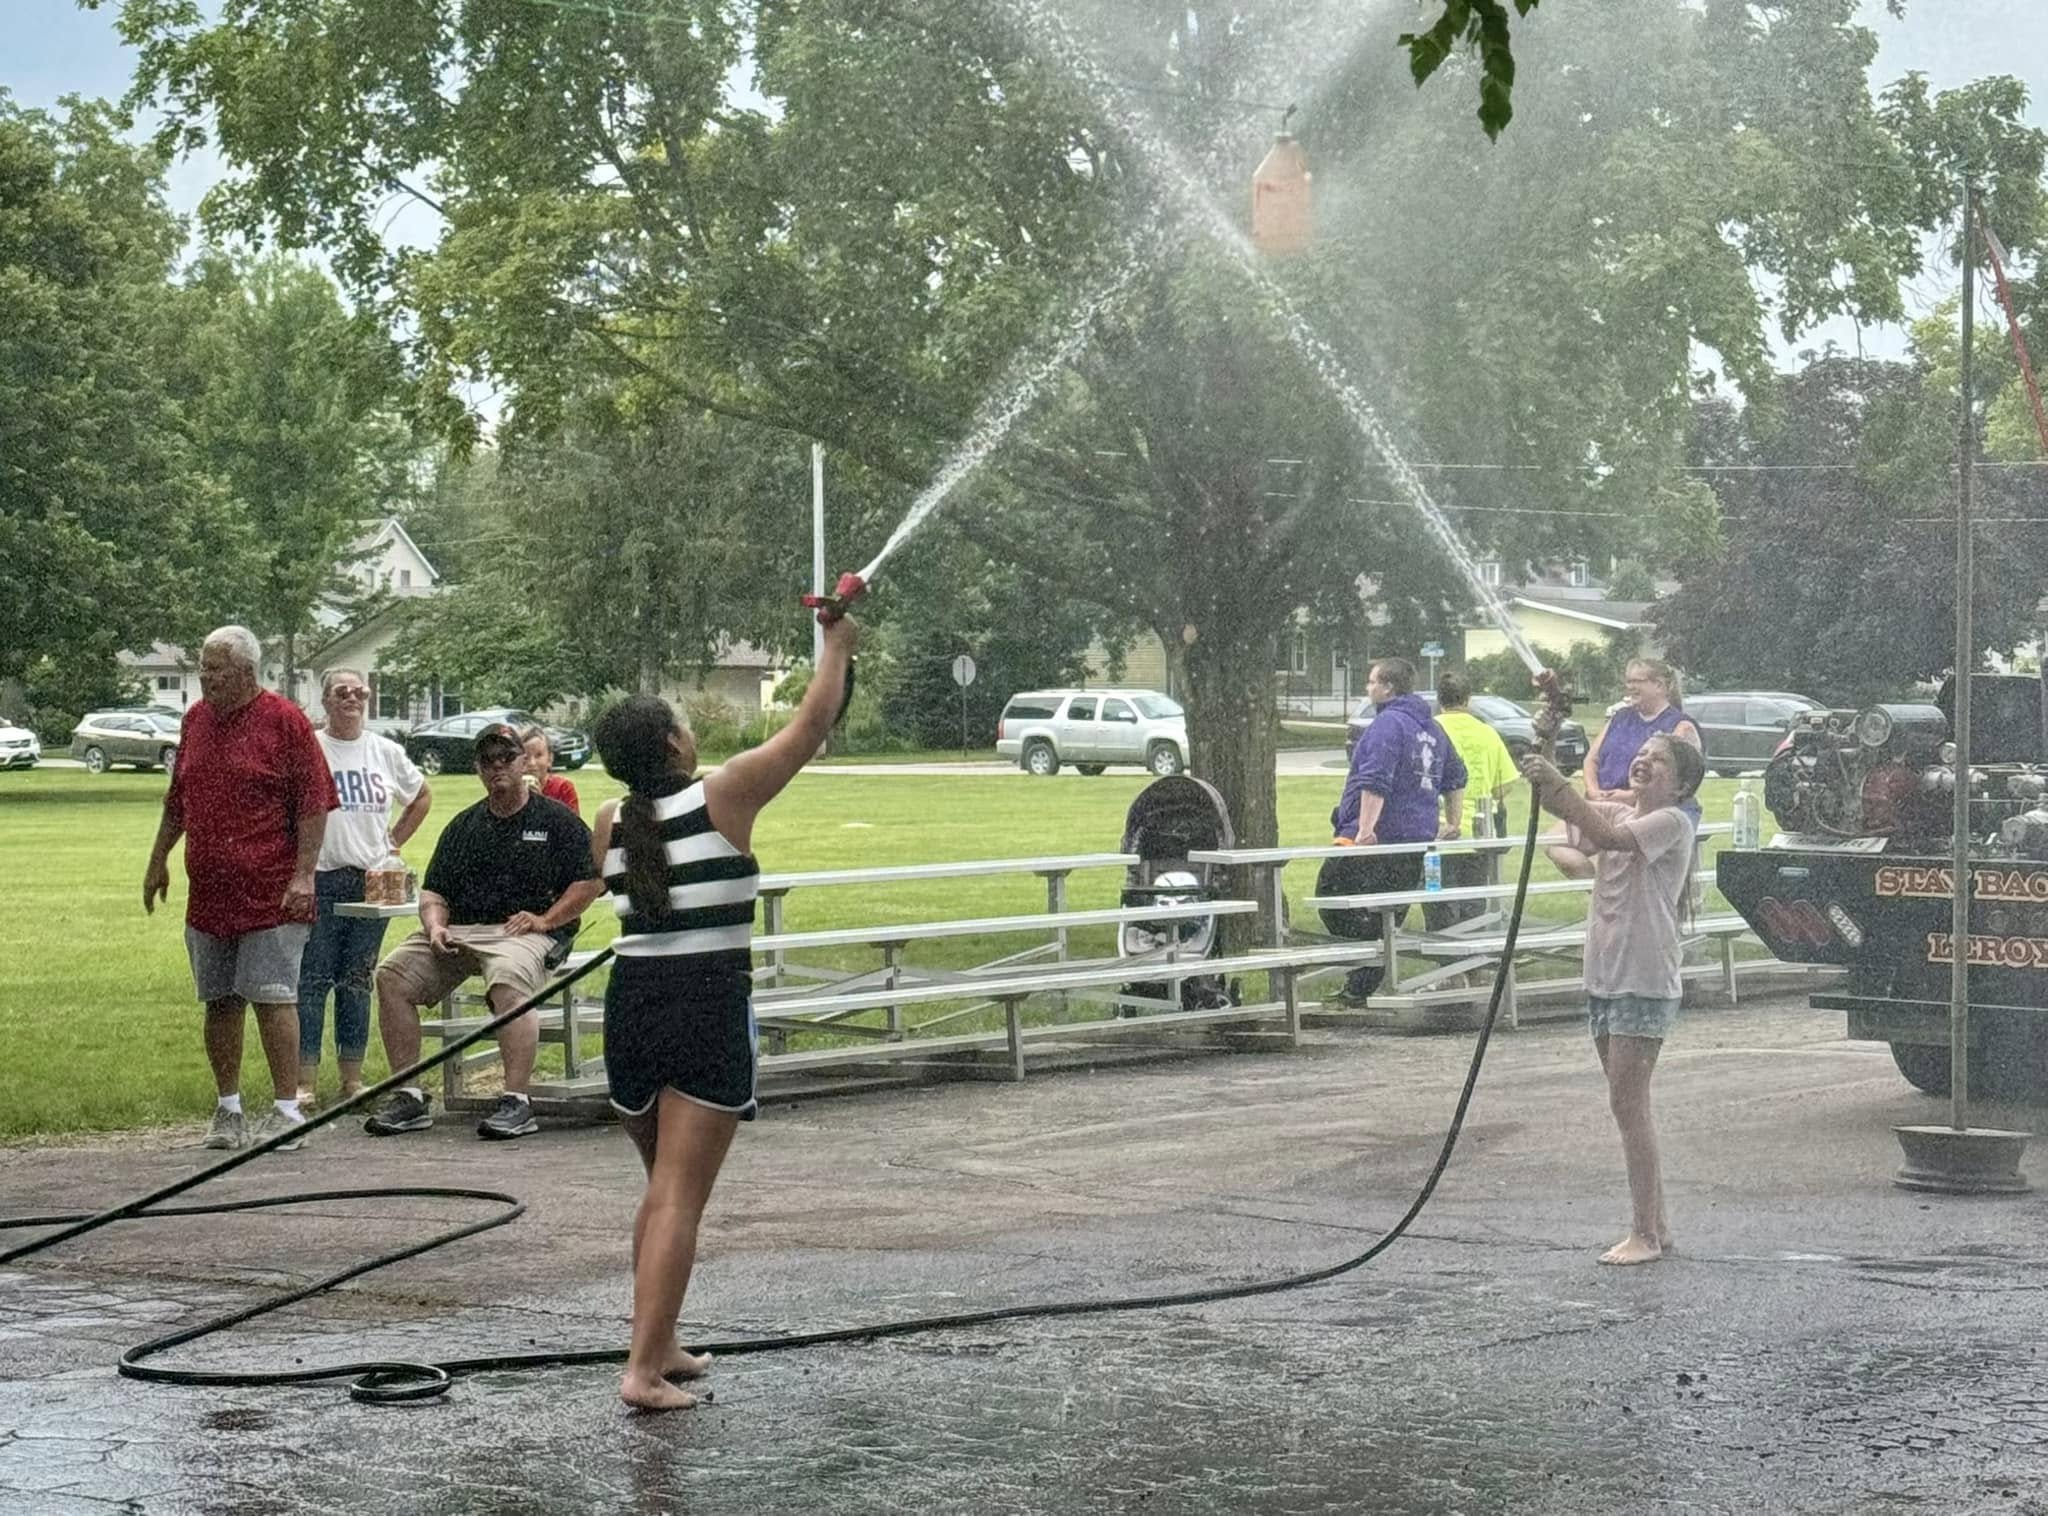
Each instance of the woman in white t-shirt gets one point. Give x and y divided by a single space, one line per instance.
371 774
1642 855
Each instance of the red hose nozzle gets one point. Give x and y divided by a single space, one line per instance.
832 607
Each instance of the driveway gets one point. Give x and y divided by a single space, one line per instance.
1823 1342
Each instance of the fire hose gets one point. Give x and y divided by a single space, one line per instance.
389 1381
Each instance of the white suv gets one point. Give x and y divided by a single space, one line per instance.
1091 729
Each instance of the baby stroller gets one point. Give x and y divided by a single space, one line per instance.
1171 818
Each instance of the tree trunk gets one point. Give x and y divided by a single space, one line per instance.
289 680
1231 735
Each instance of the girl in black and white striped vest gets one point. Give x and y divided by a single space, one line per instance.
679 1041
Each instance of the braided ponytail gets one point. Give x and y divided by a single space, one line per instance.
633 740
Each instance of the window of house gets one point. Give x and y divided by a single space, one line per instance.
405 579
451 703
389 698
1489 573
1579 575
1297 662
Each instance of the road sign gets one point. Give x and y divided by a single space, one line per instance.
963 671
1432 650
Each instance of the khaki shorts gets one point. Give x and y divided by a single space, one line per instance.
487 952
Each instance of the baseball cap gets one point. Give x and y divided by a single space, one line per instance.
498 731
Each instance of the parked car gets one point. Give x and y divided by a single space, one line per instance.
450 743
570 745
19 748
1740 729
146 736
1516 726
1091 729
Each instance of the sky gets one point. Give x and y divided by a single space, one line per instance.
55 48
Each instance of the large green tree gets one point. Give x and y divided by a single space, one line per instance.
934 183
1836 577
288 396
109 527
620 553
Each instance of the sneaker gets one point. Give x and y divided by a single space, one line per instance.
402 1111
512 1118
274 1122
226 1130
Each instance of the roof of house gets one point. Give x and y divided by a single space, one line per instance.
383 532
159 655
1618 614
744 655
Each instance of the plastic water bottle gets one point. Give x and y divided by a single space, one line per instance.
1749 817
1432 871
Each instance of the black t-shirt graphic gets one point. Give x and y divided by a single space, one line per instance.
489 867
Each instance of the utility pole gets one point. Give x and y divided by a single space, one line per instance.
1959 1158
1959 923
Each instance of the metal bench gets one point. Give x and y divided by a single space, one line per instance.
1010 991
826 1007
775 889
1472 945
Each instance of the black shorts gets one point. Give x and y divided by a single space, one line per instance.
683 1024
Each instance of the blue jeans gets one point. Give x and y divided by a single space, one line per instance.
341 955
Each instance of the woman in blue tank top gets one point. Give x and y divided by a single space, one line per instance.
1653 708
678 1017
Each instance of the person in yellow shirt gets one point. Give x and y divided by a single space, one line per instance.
1490 771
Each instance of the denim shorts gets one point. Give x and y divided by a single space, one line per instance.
1630 1015
259 967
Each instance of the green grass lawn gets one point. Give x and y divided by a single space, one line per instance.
99 1031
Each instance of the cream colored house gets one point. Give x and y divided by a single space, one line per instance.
1560 618
1145 666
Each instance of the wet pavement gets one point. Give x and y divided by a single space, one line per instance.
1823 1343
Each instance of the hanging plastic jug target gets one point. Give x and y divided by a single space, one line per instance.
1283 214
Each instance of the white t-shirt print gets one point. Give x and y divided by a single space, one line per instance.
371 773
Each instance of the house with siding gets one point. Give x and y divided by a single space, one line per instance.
389 569
383 560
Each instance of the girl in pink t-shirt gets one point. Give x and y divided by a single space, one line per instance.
1642 853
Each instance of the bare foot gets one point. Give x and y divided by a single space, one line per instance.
644 1393
1667 1244
682 1365
1632 1249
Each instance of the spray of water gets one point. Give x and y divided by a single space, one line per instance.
1043 27
1008 404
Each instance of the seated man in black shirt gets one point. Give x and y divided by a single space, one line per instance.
509 880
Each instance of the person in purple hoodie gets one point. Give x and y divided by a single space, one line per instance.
1407 784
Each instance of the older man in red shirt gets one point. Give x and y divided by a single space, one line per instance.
250 797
